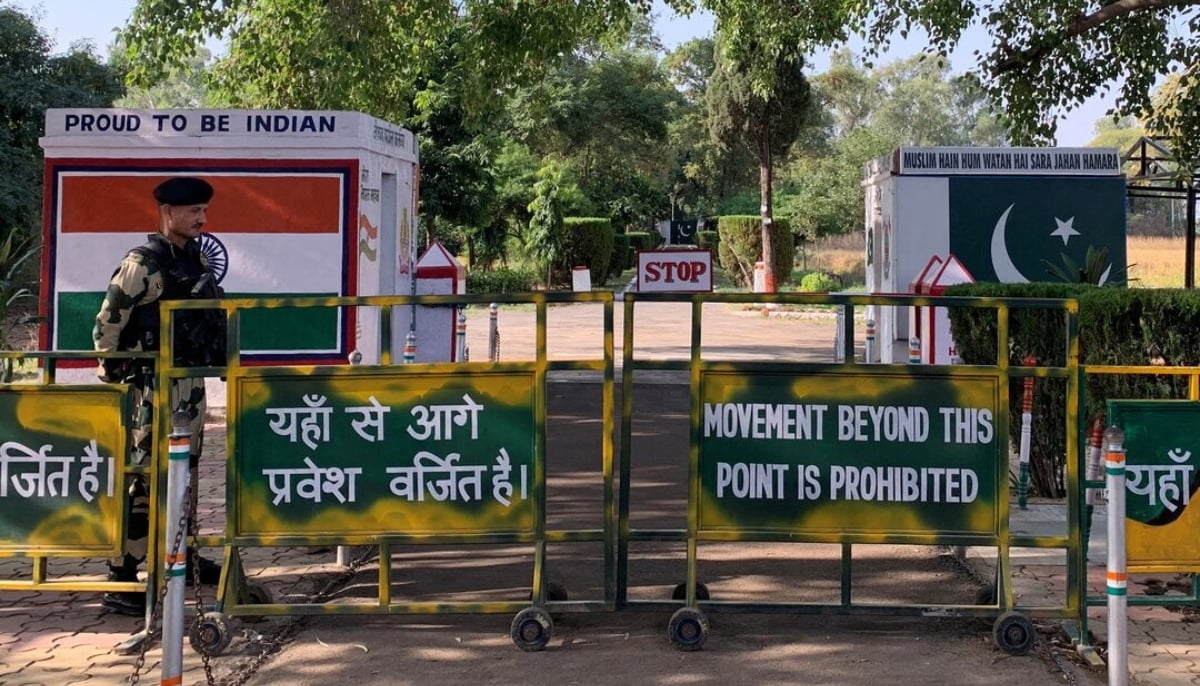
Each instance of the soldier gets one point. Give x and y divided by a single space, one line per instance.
169 266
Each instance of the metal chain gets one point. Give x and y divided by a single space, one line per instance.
293 625
198 595
497 347
152 627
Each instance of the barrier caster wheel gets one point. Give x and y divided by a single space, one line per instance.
210 634
531 629
1013 633
680 592
688 629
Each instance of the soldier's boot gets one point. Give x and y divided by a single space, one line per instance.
132 603
202 568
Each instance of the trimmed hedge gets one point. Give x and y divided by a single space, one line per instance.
708 239
588 241
644 240
502 280
740 246
622 254
1117 326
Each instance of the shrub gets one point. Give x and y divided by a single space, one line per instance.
820 282
740 247
622 255
708 240
588 241
503 280
645 240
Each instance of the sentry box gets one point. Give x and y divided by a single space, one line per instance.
306 203
1003 212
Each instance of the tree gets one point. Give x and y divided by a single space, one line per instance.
182 88
31 81
768 123
1046 56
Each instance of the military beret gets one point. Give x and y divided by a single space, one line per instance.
183 190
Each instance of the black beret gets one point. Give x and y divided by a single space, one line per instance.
183 190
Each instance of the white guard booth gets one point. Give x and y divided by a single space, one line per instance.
306 203
438 273
1002 212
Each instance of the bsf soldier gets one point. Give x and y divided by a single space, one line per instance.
170 265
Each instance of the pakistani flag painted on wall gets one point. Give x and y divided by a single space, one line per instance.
272 231
1005 229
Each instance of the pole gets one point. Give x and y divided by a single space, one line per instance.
1026 433
1189 255
914 350
410 347
493 333
1094 458
1118 625
175 559
870 342
460 333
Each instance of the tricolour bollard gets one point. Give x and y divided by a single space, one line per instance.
410 347
1026 432
493 333
1117 576
869 351
175 552
914 350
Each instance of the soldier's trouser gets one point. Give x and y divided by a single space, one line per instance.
186 395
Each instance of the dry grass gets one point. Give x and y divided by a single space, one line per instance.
1155 262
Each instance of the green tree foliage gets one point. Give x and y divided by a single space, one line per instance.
767 122
183 87
1046 56
588 241
31 81
740 245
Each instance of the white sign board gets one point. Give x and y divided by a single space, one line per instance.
674 271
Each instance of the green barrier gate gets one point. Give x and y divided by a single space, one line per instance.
849 454
398 454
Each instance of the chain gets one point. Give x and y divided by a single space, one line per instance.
285 632
496 358
197 593
156 613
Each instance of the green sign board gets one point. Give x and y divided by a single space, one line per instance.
62 456
331 455
871 452
1162 463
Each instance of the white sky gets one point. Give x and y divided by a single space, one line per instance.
66 21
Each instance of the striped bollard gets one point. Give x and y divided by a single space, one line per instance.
1118 578
870 342
460 334
493 333
410 347
914 350
1026 433
174 552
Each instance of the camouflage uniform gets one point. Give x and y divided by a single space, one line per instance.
139 281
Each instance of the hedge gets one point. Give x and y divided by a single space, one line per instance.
740 246
588 241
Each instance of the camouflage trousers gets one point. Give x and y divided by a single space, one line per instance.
186 395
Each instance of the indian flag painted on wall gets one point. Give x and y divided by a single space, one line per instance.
280 229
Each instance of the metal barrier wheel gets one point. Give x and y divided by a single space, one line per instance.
210 634
680 592
1013 633
531 629
688 629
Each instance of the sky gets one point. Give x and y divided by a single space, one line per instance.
66 21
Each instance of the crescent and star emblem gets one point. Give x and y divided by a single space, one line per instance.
1002 264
